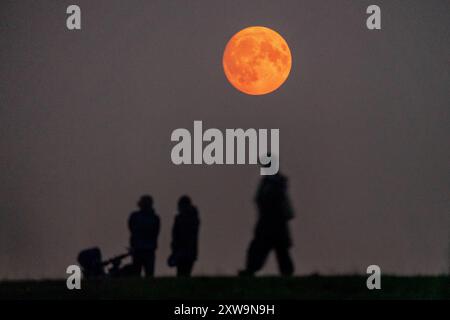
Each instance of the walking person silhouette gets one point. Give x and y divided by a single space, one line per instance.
272 229
185 237
144 226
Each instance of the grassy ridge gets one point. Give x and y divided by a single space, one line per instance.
312 287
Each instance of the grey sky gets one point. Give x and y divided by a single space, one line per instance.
86 118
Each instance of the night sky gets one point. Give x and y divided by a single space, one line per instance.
86 118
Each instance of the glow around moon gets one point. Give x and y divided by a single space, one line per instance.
257 60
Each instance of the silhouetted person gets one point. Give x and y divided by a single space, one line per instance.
144 227
272 230
185 237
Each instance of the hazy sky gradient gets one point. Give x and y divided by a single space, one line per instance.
86 118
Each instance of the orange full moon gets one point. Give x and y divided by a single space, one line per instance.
257 60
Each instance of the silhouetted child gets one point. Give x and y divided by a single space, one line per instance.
272 230
185 237
144 227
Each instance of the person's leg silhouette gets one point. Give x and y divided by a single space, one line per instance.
285 264
184 268
148 261
256 256
137 264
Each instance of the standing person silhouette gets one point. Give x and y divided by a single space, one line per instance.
144 226
272 229
185 237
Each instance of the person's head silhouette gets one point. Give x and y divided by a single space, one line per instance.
145 203
184 202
